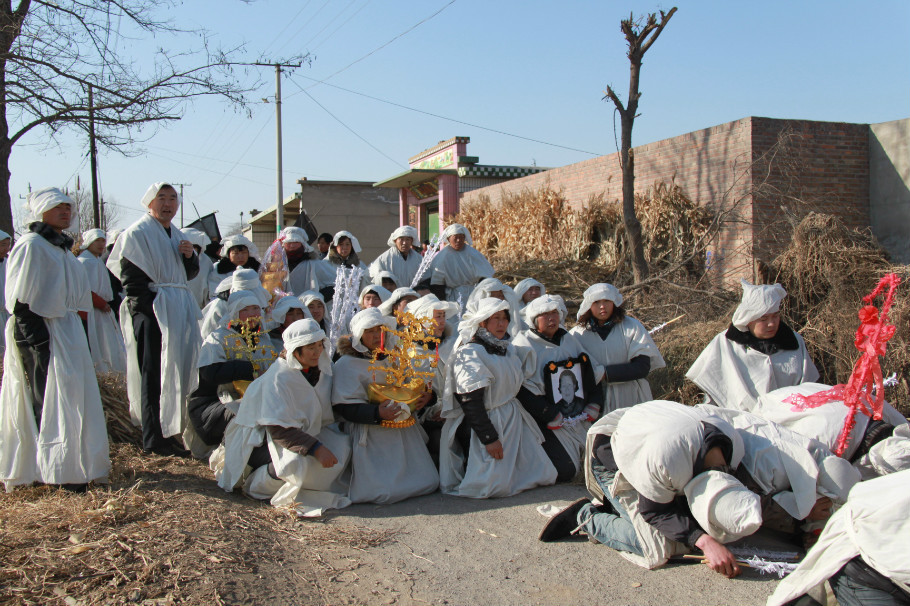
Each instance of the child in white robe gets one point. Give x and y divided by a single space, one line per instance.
289 408
401 260
104 337
620 344
491 445
389 463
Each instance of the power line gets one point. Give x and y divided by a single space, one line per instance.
441 117
331 21
239 158
285 28
269 168
346 21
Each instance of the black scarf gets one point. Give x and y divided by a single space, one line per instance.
226 267
602 330
352 260
51 235
494 346
556 339
785 339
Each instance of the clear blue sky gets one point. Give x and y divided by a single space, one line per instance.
531 68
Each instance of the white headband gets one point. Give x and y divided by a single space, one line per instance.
405 231
90 236
599 292
153 190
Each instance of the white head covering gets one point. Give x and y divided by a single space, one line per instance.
284 305
112 236
42 200
457 228
388 306
525 285
237 301
364 320
540 305
301 333
485 308
405 231
599 292
836 476
756 302
239 240
153 190
308 296
427 304
225 285
90 236
355 243
196 237
295 234
723 507
381 292
248 279
891 454
377 279
4 236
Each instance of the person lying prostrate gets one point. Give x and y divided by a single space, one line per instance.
874 447
385 279
201 284
303 260
285 311
237 252
390 460
104 337
241 279
491 446
491 287
564 424
619 343
286 431
221 362
458 267
757 354
529 289
343 253
401 260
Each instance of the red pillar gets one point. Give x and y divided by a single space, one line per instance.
448 198
403 206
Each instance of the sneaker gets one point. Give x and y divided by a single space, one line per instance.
563 523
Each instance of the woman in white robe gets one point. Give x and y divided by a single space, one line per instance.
343 253
491 287
564 423
201 284
303 261
68 446
389 463
241 279
237 252
104 337
385 279
315 304
289 408
529 289
458 267
285 311
398 301
757 354
620 344
401 260
491 446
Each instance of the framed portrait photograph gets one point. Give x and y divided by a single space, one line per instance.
570 384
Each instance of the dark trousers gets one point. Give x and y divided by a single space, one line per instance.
148 349
36 358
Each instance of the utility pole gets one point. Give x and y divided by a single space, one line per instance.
279 208
181 200
93 159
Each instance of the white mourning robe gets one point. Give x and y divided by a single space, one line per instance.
70 446
733 375
4 315
211 316
627 340
393 262
823 423
459 271
146 245
525 464
284 397
200 285
535 353
304 277
872 524
438 379
388 464
104 337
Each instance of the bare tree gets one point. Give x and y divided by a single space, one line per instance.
51 51
639 37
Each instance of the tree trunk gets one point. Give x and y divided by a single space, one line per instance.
6 202
630 218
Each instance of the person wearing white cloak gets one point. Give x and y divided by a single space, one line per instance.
286 310
104 337
564 423
201 284
491 287
491 446
874 447
287 412
401 260
398 301
429 307
227 355
315 304
303 261
237 252
241 279
390 460
862 550
620 344
52 426
159 321
646 461
757 354
343 253
458 267
6 242
386 280
529 289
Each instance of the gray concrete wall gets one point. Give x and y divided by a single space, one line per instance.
889 186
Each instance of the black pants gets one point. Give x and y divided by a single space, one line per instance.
210 419
36 358
148 349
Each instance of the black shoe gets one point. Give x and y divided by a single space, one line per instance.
563 523
77 488
167 449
